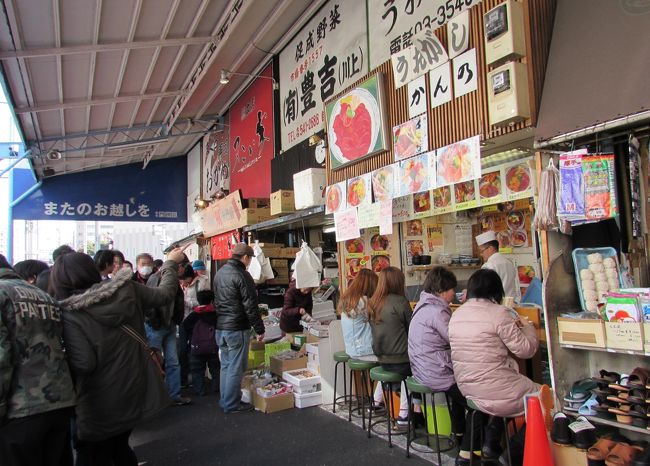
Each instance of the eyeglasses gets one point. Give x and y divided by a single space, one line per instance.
482 249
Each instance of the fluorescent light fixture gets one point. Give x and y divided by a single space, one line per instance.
137 144
329 229
225 77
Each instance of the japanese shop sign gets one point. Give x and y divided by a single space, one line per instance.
426 53
393 24
327 55
251 139
216 161
222 215
122 193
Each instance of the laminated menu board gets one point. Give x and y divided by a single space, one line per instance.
422 206
443 202
372 251
512 228
490 188
466 195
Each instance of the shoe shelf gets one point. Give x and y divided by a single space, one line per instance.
605 350
609 422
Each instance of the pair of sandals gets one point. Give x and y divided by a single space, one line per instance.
611 453
629 392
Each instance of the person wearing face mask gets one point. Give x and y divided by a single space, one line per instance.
144 267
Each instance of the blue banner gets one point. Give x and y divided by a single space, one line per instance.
122 193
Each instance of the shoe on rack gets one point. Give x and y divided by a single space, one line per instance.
560 432
584 437
182 401
242 408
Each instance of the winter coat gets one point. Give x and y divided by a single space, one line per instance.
34 374
390 334
206 314
236 298
482 334
200 283
117 383
293 301
171 313
357 334
429 349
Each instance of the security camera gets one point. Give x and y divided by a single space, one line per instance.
54 155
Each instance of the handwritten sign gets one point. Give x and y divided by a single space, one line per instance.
346 224
368 215
402 208
624 335
426 53
386 217
222 215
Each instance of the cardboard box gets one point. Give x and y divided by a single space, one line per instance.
278 281
288 253
282 202
646 338
255 358
309 188
624 335
310 338
280 263
278 366
274 404
256 202
581 332
252 216
568 455
271 251
307 400
282 274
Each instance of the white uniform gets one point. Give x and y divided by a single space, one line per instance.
508 274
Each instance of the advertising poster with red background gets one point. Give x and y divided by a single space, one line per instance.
251 139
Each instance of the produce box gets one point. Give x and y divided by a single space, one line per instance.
252 216
274 397
255 358
287 361
282 202
582 332
307 400
275 348
624 335
301 378
309 338
309 188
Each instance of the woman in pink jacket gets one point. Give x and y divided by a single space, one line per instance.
484 336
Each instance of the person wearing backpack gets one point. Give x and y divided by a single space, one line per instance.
200 327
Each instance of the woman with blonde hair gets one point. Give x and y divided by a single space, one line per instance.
390 316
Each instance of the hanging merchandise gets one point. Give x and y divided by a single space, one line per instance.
635 185
546 214
307 268
600 187
260 266
571 205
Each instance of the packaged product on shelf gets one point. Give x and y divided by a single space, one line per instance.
622 308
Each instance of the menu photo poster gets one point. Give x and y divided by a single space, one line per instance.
519 179
336 197
460 161
414 176
411 138
382 249
216 161
359 190
385 183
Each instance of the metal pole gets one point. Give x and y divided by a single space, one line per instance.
16 162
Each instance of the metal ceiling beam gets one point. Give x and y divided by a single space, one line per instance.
104 101
118 46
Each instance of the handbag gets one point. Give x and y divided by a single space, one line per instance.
154 353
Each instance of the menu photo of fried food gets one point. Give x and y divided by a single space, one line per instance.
413 248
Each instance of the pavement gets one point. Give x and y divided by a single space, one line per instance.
201 434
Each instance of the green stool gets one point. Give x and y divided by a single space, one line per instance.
340 357
413 386
473 409
387 379
363 367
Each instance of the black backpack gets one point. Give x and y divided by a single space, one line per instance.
203 341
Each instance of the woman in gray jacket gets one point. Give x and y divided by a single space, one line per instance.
117 384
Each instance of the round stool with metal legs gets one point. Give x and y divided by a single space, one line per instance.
362 368
413 386
475 409
340 357
387 379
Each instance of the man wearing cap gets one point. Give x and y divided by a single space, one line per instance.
237 311
489 249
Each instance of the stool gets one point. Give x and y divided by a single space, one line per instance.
363 367
386 378
341 357
413 386
474 409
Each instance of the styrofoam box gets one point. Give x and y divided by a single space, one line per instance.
246 395
309 188
308 389
312 359
308 400
290 376
314 367
312 348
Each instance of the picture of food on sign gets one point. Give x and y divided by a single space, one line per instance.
334 198
410 138
414 175
465 191
413 248
526 274
353 125
354 246
414 228
518 178
422 202
518 238
487 223
357 191
515 220
379 243
503 237
442 197
354 266
489 185
455 163
383 184
379 263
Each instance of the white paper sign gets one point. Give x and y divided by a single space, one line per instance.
393 23
386 217
465 73
458 34
368 215
426 53
326 56
417 95
346 224
402 208
440 85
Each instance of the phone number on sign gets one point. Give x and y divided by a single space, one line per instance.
305 127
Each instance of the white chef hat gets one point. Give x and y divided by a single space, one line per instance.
486 237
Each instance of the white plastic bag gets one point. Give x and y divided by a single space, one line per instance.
260 266
307 268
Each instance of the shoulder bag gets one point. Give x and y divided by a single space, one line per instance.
154 353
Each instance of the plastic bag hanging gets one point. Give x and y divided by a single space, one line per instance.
546 214
307 268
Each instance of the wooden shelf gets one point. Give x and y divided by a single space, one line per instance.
609 422
605 350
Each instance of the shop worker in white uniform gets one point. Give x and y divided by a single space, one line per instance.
489 249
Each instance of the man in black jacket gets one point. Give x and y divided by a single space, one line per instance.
237 312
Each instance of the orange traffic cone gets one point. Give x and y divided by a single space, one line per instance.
537 451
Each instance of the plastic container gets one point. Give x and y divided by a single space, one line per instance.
580 262
307 400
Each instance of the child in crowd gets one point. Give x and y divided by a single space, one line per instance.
200 327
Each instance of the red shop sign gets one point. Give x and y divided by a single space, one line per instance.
222 245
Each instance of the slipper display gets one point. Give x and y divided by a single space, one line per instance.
637 395
621 384
599 450
584 433
607 377
560 432
643 458
587 409
622 454
638 377
605 391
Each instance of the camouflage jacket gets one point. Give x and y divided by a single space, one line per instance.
34 373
